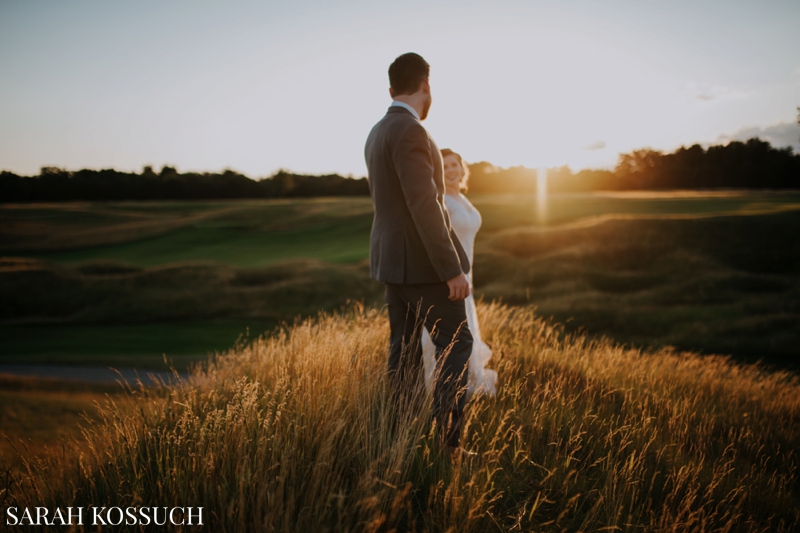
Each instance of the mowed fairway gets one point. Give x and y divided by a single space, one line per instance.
259 233
128 282
243 234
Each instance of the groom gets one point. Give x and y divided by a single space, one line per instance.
414 250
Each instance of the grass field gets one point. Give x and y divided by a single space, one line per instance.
259 233
124 345
130 281
585 435
41 417
235 233
297 432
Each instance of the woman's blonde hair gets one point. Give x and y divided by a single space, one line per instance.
465 178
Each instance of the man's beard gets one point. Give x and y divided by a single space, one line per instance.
426 108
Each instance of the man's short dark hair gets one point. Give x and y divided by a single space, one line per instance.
407 73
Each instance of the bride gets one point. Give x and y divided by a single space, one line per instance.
466 222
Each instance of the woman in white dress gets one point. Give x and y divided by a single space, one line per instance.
466 222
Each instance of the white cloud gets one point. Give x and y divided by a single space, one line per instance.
779 135
706 92
597 145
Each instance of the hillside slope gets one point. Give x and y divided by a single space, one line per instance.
296 433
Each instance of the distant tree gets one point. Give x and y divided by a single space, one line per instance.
562 179
487 178
168 172
640 168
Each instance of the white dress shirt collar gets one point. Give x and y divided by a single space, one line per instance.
397 103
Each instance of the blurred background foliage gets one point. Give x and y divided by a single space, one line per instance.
754 164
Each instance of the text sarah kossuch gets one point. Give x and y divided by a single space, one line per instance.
104 516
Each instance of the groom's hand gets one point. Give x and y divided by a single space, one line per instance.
459 287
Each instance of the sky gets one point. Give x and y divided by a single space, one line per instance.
258 86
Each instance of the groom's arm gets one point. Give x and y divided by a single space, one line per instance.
414 165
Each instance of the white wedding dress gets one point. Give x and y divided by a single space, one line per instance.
466 222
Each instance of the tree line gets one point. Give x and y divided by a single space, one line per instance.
754 164
55 184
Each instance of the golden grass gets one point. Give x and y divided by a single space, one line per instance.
296 433
41 416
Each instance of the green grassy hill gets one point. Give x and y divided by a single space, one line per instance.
236 233
296 432
127 282
724 284
259 233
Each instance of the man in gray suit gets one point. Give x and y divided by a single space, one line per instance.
414 251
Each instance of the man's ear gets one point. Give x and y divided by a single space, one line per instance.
391 92
426 86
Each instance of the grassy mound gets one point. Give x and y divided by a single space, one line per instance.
296 433
726 284
713 272
36 292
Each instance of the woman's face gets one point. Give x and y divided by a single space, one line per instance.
453 172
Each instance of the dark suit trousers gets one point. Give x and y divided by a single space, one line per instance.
410 308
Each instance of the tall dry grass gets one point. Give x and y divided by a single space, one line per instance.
297 432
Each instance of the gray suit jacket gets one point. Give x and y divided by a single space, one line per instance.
412 240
